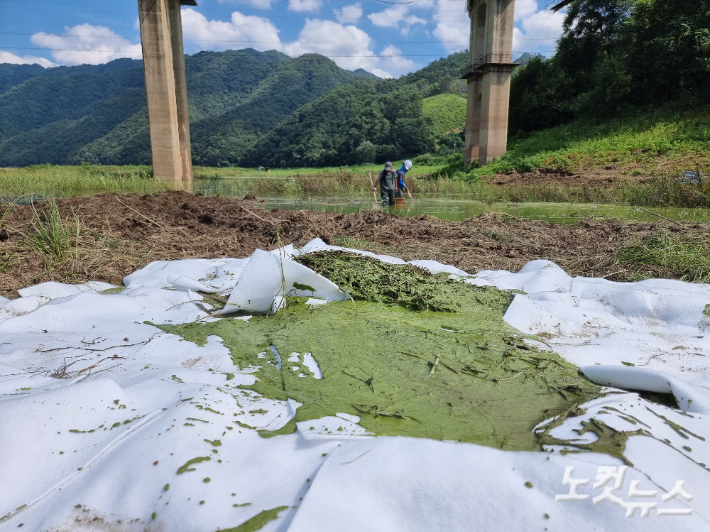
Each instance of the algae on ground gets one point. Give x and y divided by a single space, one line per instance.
463 375
258 521
609 440
372 280
186 467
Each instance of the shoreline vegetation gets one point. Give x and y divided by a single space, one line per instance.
636 158
663 190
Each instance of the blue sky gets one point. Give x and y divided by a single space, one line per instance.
384 38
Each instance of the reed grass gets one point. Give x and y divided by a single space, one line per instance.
663 191
46 181
38 182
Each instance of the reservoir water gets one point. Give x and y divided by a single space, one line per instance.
460 208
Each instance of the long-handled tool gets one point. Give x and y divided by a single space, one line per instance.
374 193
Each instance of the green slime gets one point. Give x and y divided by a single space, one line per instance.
257 522
464 376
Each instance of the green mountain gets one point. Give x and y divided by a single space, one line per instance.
440 77
357 123
368 121
69 115
12 75
246 107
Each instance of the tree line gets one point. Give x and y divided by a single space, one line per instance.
615 56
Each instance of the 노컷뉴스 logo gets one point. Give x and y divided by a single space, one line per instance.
607 474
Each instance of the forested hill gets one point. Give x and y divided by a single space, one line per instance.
246 107
365 121
12 75
97 114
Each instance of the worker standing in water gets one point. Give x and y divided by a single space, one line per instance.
401 186
387 180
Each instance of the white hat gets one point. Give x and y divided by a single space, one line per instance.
408 165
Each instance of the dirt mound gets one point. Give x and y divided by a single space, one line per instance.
124 232
599 177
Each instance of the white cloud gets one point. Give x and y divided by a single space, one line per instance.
87 44
525 8
349 14
242 31
258 4
391 60
452 29
7 57
540 31
537 30
396 17
351 51
304 5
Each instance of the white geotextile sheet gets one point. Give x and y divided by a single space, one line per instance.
417 484
97 450
268 278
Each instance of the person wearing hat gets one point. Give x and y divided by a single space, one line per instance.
387 180
401 186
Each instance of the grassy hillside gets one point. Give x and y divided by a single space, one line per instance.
638 158
653 142
447 112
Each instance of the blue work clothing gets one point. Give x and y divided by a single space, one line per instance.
401 186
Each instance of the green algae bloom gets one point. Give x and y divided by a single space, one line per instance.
258 521
423 357
369 279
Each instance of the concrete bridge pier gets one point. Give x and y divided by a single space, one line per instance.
166 88
488 76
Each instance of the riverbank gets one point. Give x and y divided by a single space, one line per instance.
48 181
107 236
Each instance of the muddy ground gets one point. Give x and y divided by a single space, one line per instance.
121 233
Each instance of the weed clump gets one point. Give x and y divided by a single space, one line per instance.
687 255
49 235
369 279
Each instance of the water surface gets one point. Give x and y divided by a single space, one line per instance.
460 208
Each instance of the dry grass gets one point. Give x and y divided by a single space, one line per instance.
54 248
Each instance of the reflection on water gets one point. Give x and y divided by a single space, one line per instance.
457 209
